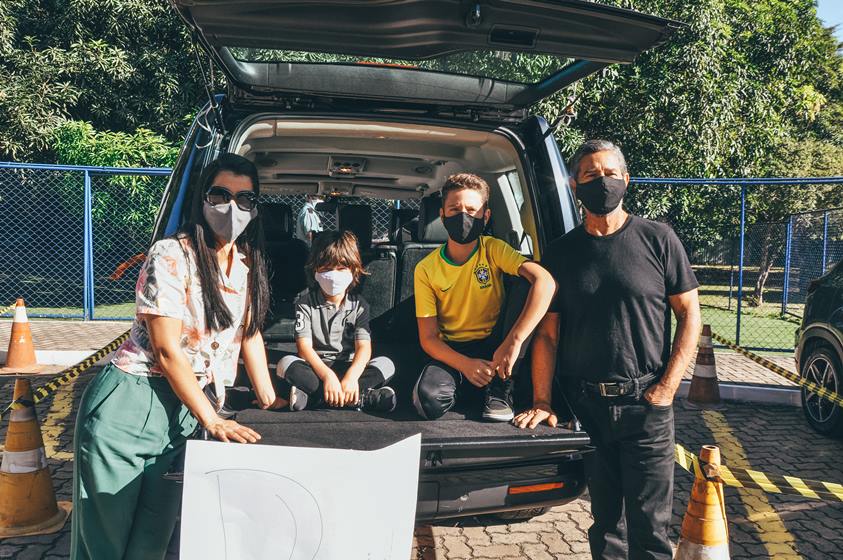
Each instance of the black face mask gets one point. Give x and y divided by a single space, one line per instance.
601 195
464 228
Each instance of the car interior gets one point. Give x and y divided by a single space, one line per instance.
381 181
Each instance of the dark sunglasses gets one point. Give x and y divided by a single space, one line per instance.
245 200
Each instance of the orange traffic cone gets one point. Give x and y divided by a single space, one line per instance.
21 354
704 391
27 501
705 532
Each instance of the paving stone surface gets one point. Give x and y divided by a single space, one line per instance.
773 439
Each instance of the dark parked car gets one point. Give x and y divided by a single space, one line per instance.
819 350
372 105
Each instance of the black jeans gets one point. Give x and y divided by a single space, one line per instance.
299 373
630 475
440 386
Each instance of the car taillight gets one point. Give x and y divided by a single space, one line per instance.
535 488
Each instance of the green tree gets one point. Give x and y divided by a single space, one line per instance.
122 206
121 65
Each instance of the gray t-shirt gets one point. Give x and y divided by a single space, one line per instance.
333 330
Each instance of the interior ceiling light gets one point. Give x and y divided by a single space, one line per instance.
345 166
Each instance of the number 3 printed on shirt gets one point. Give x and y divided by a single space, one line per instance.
299 321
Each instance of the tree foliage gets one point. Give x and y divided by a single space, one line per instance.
122 206
745 87
119 64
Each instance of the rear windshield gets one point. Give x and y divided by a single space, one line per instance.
517 67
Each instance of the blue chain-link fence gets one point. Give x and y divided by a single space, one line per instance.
813 244
64 232
753 270
71 238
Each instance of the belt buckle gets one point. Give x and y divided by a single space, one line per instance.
608 389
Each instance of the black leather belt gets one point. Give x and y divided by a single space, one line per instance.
621 389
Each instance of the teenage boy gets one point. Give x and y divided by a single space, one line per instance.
459 293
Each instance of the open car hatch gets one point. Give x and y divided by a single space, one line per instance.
502 55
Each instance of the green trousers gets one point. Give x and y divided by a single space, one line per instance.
129 431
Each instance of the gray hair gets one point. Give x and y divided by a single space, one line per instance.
592 147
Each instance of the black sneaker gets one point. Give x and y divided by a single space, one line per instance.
379 400
498 405
298 399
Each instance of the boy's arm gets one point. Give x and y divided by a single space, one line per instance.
539 298
478 372
330 382
350 381
304 346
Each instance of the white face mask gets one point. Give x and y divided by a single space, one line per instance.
334 282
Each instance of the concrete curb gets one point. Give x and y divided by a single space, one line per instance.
751 393
61 357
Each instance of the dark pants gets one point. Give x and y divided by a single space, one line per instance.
630 475
440 386
298 373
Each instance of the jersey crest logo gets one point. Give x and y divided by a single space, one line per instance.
483 275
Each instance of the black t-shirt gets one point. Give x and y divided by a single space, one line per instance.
612 299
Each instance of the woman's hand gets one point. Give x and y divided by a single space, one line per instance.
334 394
229 430
277 403
265 398
350 389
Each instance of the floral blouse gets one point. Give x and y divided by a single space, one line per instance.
168 286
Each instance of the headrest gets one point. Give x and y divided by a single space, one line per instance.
431 229
399 219
277 221
356 218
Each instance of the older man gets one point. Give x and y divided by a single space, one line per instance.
608 335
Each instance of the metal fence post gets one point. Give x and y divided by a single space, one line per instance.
788 246
740 265
88 266
825 241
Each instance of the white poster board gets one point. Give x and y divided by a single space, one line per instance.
250 502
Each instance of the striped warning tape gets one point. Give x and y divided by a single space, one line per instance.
774 483
67 375
789 375
8 308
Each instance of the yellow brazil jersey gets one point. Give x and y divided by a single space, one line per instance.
466 299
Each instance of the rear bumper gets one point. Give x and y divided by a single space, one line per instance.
474 490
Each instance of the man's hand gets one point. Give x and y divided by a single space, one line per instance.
541 412
505 357
334 395
659 395
478 372
350 389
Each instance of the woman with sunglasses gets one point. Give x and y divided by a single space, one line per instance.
202 297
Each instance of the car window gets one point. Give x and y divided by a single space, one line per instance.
381 211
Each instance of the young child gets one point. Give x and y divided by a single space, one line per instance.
334 365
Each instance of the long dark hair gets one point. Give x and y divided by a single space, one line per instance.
250 243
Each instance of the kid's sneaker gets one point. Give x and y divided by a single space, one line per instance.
379 400
298 399
498 403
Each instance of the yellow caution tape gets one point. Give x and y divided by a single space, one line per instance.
8 308
773 483
789 375
67 375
